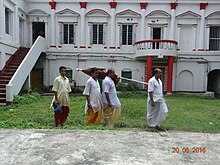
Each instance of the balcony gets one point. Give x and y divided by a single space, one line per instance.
159 48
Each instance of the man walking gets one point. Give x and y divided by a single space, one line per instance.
111 103
156 107
92 92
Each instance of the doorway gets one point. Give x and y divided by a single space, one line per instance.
37 80
38 29
156 35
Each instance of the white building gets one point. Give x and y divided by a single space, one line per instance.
133 36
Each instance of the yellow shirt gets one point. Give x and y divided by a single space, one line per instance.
62 87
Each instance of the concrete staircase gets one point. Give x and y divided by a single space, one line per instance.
8 71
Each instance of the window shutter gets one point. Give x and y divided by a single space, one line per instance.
74 33
91 34
105 28
120 34
134 33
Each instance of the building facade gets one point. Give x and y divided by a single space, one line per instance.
131 36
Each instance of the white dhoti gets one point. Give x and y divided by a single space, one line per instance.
156 114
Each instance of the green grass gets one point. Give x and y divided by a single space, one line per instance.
186 113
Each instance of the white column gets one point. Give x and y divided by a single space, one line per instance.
2 20
82 28
52 27
16 26
202 30
207 36
178 35
165 32
113 29
172 24
194 37
148 32
31 34
143 22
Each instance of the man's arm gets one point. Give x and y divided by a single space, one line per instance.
151 98
108 99
88 101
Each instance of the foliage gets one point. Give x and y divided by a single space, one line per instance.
128 86
26 98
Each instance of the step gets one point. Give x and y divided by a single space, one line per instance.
2 95
3 101
11 67
2 86
8 74
4 81
5 77
2 90
10 70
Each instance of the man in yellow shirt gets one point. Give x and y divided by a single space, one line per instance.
61 89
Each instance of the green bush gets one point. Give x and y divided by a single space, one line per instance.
26 98
128 86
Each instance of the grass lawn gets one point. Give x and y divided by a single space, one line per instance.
186 113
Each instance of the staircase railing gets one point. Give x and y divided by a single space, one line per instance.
15 84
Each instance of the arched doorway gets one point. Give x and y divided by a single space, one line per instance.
214 81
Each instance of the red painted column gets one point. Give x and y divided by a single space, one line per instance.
149 69
170 74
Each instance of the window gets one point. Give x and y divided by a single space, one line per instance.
97 34
127 73
127 34
69 75
7 21
214 39
68 33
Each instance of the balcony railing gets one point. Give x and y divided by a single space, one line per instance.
158 48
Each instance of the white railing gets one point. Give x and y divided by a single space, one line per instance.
15 84
155 48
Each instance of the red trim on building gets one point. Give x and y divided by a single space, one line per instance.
201 62
82 47
203 6
111 60
149 67
159 11
75 46
98 10
112 47
143 5
201 49
53 5
170 74
52 46
67 10
194 50
59 46
105 47
173 5
128 10
113 5
83 4
143 41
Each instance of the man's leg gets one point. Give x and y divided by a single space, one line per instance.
64 114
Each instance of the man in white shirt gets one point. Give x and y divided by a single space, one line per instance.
93 105
111 103
156 107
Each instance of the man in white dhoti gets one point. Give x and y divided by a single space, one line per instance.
93 105
156 107
111 103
